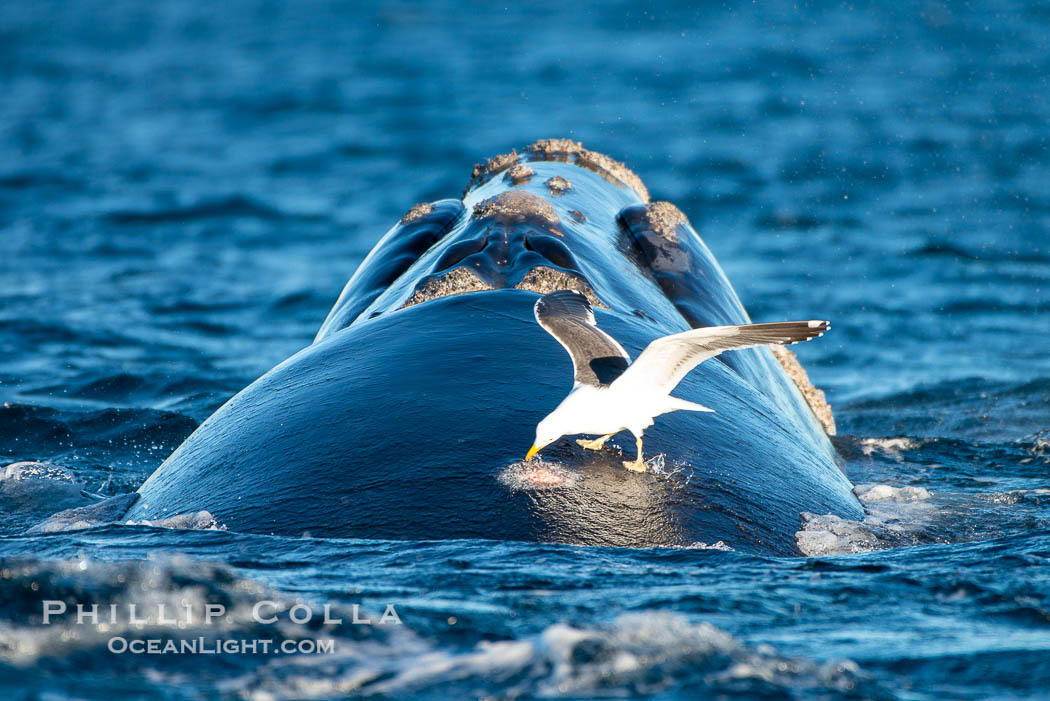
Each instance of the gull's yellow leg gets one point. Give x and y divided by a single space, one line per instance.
638 465
596 444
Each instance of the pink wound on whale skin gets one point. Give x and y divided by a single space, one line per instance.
542 477
537 474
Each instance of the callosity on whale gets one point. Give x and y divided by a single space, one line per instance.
409 414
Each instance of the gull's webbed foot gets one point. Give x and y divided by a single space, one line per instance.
637 465
596 444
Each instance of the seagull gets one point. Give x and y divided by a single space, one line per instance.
611 394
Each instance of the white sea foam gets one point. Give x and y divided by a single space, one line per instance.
890 447
172 597
827 534
1039 449
1018 496
886 493
720 545
895 516
197 521
658 464
645 652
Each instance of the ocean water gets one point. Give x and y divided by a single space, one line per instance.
185 188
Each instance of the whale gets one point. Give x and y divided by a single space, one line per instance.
409 414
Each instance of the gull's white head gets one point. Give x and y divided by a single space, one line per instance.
547 431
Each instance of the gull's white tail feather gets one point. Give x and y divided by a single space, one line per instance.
676 404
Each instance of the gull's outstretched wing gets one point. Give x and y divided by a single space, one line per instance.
665 361
597 358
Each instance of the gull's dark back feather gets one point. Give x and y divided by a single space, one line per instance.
597 358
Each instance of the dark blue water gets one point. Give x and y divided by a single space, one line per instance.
185 188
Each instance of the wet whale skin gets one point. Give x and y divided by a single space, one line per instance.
411 421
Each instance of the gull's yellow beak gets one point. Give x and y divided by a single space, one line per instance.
532 451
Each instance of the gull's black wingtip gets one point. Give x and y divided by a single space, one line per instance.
801 331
